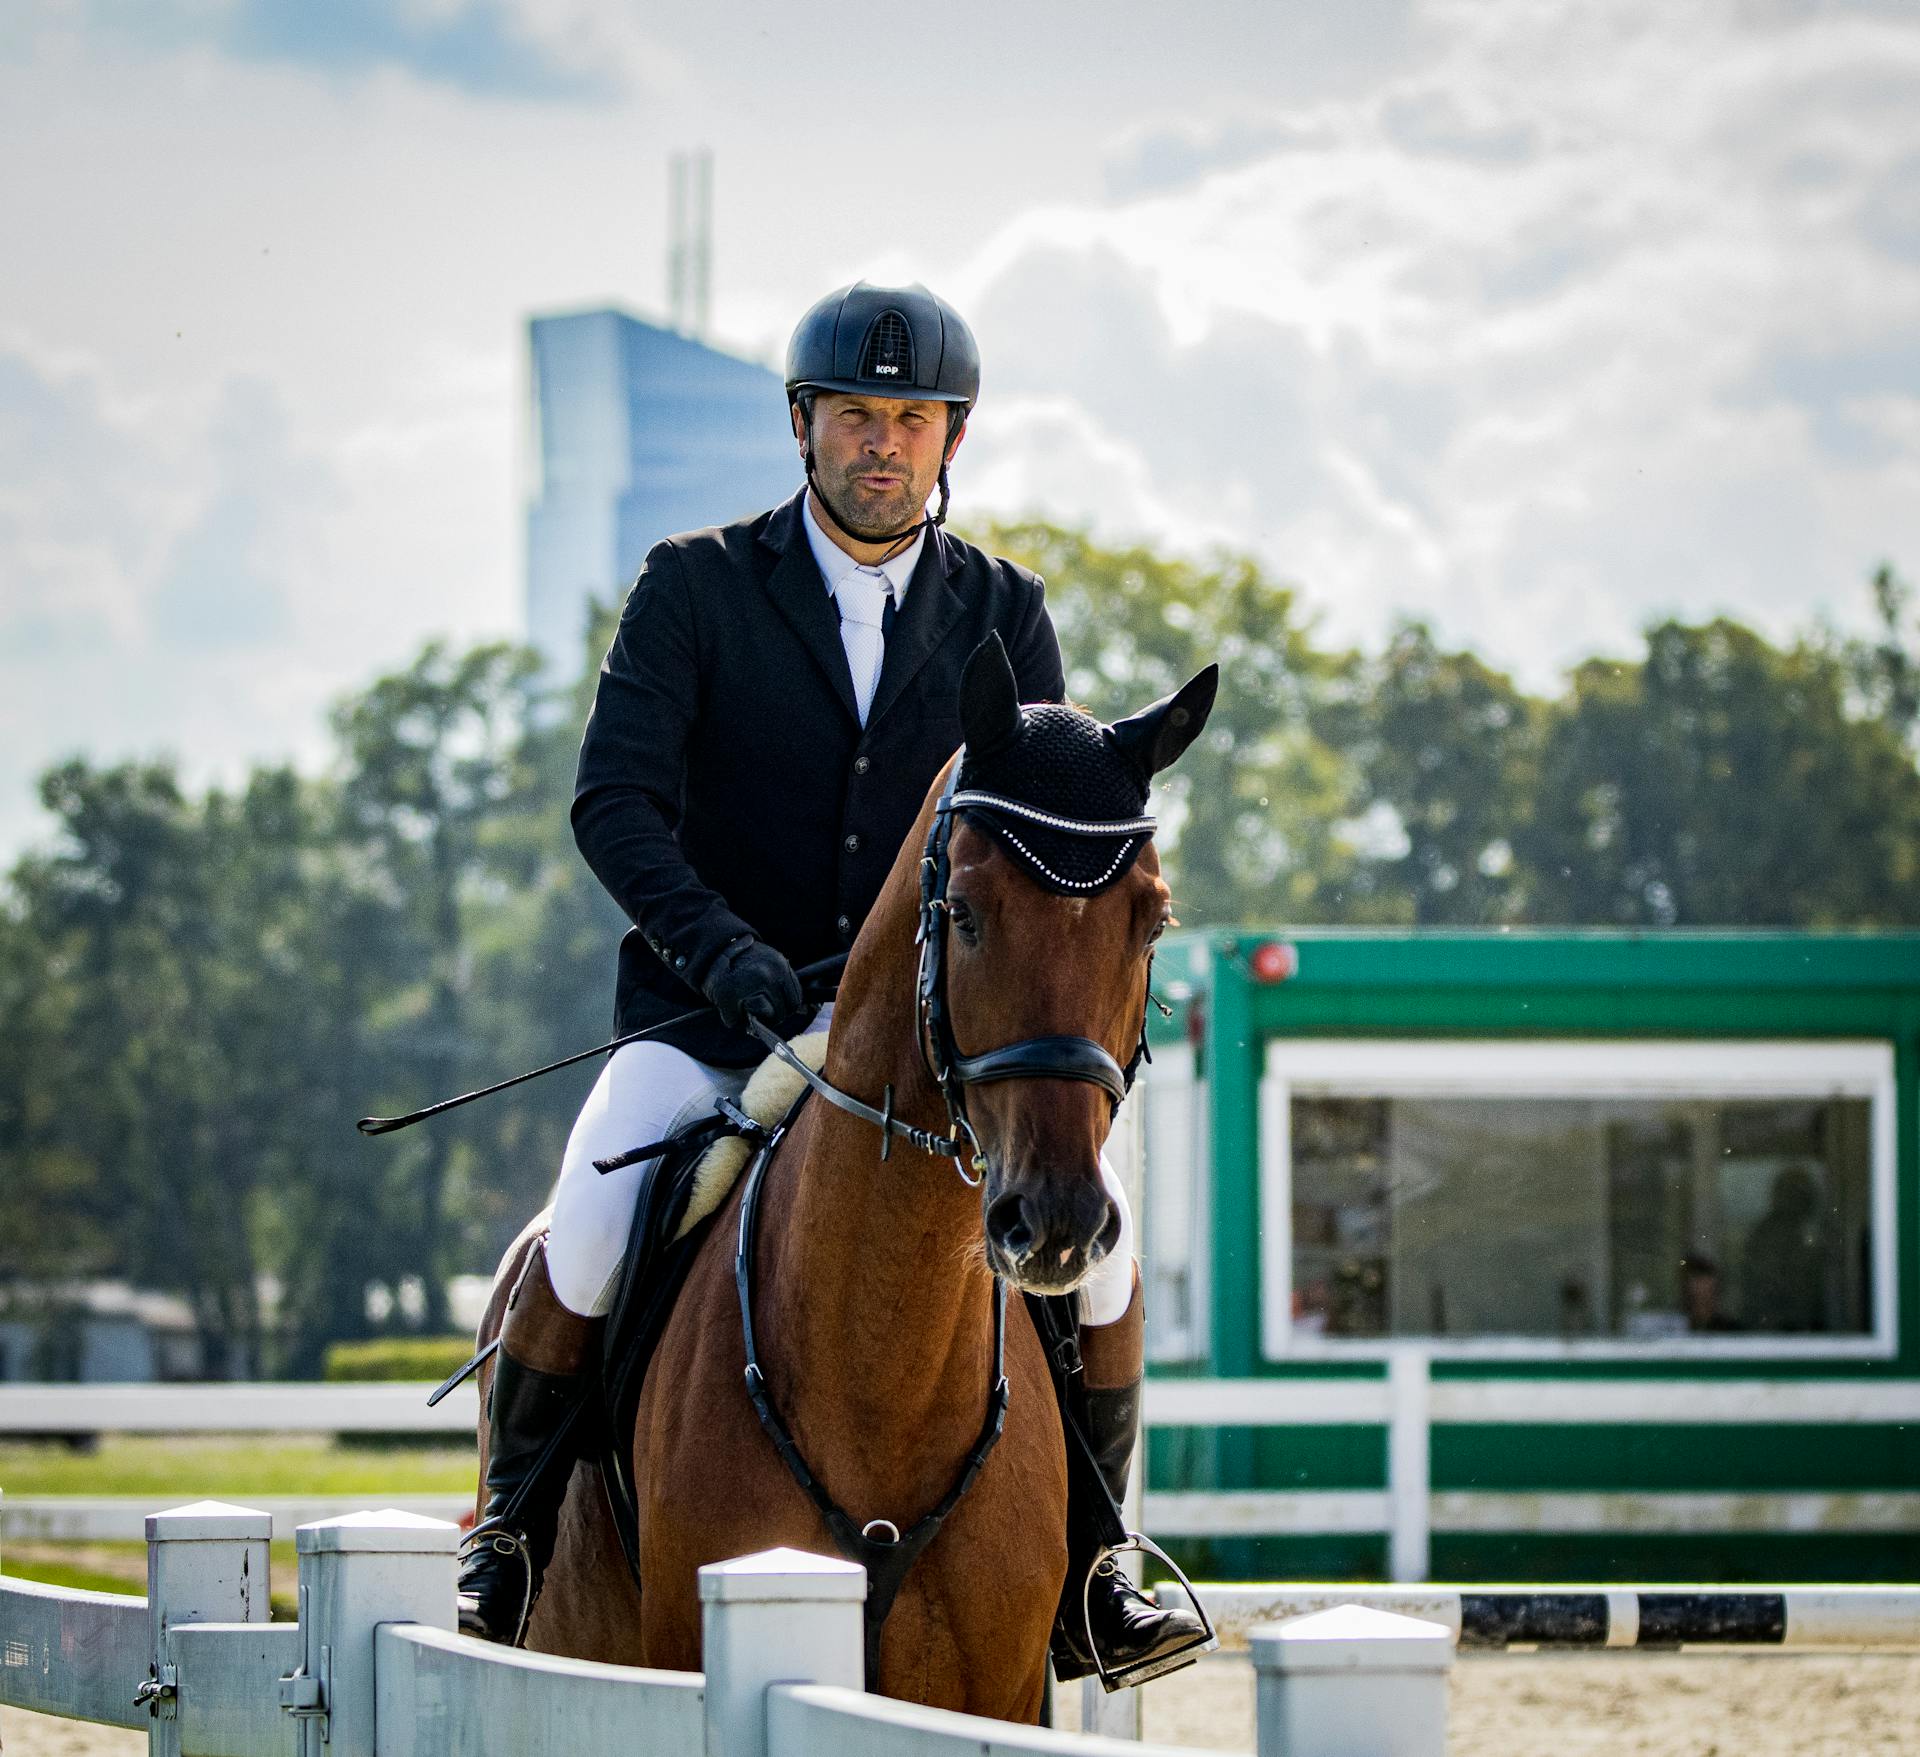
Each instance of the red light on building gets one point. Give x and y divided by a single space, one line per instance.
1274 961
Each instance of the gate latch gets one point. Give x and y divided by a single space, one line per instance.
159 1692
303 1694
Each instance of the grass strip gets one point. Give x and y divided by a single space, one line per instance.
182 1467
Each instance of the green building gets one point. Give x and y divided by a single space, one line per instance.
1622 1226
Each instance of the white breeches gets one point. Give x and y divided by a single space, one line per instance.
644 1093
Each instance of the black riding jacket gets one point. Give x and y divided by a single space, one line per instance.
726 785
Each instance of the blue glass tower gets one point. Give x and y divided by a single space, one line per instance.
637 433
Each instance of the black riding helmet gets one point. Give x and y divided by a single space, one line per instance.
900 342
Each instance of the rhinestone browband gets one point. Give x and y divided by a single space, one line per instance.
983 801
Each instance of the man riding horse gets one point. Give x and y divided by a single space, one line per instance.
777 700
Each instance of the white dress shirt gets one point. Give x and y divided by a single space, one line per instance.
861 592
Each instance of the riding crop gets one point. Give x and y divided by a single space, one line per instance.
823 976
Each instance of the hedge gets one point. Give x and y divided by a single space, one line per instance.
410 1358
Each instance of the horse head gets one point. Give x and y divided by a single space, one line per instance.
1044 901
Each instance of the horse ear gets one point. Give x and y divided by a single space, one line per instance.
1155 737
989 699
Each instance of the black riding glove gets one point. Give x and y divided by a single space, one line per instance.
751 979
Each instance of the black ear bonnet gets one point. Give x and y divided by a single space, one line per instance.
1063 794
1062 797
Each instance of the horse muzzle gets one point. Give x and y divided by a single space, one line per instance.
1046 1233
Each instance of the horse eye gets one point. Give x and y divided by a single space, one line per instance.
963 921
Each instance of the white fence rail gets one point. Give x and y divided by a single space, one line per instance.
373 1669
119 1518
374 1408
231 1707
822 1717
1608 1615
1408 1403
80 1654
265 1407
442 1693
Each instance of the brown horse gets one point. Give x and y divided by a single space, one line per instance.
873 1294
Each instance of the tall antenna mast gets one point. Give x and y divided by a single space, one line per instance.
677 240
690 240
702 241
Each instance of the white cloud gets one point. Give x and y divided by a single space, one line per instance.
1535 317
1562 331
1029 456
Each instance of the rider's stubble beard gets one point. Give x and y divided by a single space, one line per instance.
859 512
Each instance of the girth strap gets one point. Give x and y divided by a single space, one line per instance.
886 1560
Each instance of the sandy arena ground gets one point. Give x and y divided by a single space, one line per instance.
1512 1705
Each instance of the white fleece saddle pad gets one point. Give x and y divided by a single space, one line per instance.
769 1093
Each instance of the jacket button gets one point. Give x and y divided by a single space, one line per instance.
845 926
861 764
852 844
680 963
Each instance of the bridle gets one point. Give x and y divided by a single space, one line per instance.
883 1548
1030 1058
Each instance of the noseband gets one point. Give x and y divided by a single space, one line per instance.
1031 1058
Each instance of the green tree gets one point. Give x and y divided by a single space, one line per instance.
1256 815
543 964
432 758
1886 669
165 1087
1722 781
56 1219
1447 749
202 992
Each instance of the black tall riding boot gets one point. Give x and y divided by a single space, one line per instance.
1134 1638
543 1370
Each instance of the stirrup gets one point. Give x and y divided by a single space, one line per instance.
1127 1676
504 1541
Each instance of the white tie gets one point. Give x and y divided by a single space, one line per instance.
863 596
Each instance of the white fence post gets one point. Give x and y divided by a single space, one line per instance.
779 1617
206 1563
357 1572
1351 1682
1409 1463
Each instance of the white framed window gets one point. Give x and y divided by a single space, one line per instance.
1560 1198
1173 1202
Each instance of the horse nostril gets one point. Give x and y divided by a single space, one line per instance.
1010 1225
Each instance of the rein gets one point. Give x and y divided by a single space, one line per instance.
889 1125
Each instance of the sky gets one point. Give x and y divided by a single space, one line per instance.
1532 318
